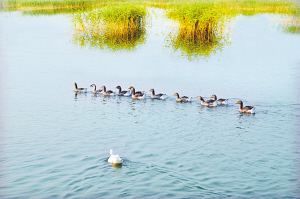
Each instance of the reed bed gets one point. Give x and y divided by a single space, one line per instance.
116 27
197 21
47 7
231 6
200 28
251 7
201 24
120 24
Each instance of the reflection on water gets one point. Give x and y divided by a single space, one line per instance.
200 29
54 146
120 25
292 24
111 40
192 44
115 27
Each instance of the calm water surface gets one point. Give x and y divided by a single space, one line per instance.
54 144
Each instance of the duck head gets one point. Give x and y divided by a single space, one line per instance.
239 102
132 89
176 95
119 88
201 99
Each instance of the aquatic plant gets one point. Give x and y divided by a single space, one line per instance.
251 7
232 6
36 7
201 24
293 29
116 27
197 21
119 24
292 23
200 28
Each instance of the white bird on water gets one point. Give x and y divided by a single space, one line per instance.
114 159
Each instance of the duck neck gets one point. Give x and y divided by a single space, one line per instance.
75 84
133 91
177 95
215 97
201 99
104 89
241 105
119 89
94 85
153 92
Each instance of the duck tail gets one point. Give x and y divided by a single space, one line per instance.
226 101
163 97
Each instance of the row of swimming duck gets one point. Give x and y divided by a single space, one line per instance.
213 101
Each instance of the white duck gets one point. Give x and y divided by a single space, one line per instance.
114 159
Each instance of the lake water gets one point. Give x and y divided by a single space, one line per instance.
55 144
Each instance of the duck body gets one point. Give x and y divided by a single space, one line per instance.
106 92
245 109
137 95
114 159
220 101
127 94
208 103
95 91
159 96
123 93
183 99
78 89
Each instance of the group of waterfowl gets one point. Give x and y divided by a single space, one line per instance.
213 101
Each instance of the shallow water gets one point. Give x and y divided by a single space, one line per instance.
54 144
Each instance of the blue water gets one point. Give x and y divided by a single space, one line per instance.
55 145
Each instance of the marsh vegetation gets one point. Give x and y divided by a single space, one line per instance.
116 27
200 28
120 24
201 24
